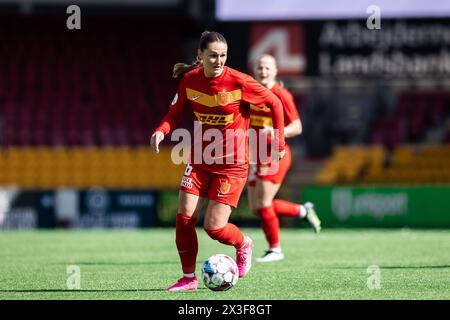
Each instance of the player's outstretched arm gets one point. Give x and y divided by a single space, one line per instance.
293 129
255 93
172 118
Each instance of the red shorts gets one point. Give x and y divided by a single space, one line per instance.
223 188
273 172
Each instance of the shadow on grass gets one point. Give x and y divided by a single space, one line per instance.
93 290
105 263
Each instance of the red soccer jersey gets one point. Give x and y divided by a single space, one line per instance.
261 116
221 103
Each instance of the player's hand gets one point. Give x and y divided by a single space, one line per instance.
155 140
277 156
281 154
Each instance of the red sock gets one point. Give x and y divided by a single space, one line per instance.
186 240
286 208
230 235
270 225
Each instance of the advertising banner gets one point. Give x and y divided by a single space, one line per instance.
99 208
285 41
399 48
22 210
71 208
415 207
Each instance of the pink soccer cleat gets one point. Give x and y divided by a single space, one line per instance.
244 257
184 284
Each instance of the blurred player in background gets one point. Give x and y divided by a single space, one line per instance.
219 97
263 185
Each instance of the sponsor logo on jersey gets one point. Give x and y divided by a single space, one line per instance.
260 121
186 182
214 119
224 187
260 108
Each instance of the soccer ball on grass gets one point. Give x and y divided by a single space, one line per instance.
220 272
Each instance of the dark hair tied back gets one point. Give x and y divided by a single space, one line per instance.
206 38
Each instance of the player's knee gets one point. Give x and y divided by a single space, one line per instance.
189 209
186 209
262 203
209 224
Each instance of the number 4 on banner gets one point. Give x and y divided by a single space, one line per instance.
74 20
284 41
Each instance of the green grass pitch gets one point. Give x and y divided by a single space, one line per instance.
414 264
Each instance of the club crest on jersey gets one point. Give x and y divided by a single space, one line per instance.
224 187
223 98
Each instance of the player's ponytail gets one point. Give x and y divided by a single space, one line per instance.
181 68
206 38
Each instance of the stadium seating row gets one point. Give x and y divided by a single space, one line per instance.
41 168
66 89
375 164
347 163
414 112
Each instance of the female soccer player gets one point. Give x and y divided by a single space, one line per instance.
263 184
219 97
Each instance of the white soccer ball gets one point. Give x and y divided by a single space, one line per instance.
220 272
